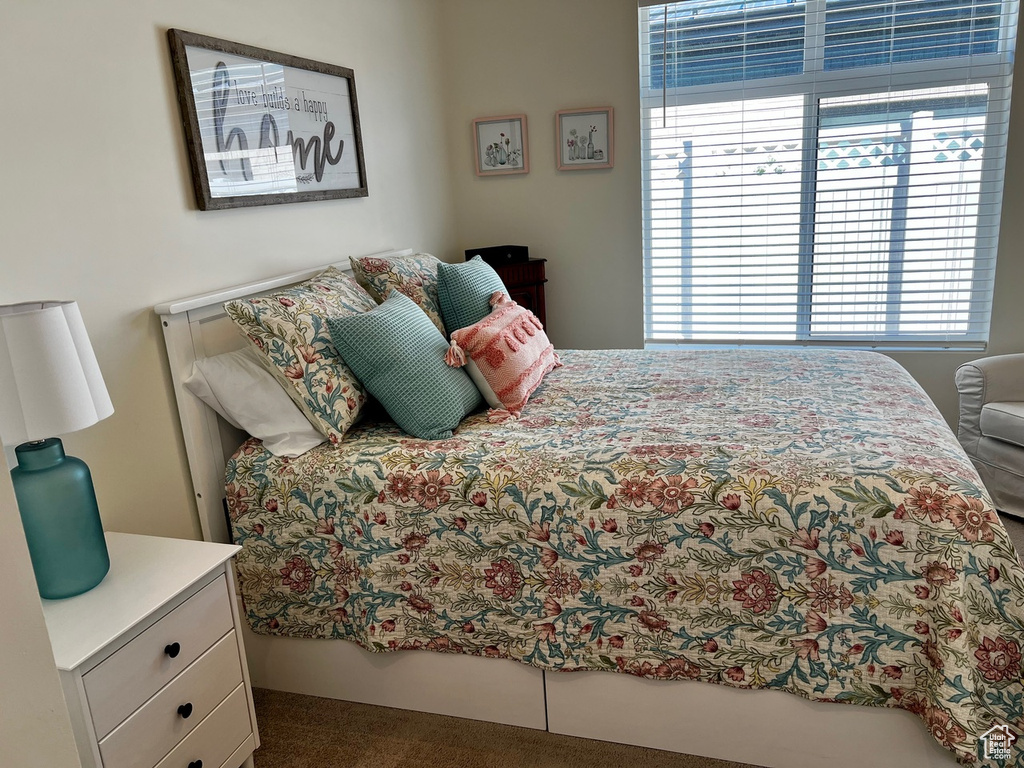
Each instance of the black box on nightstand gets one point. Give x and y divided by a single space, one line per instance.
497 255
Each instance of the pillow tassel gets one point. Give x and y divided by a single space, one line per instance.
497 298
455 357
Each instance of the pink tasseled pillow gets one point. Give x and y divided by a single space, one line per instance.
511 352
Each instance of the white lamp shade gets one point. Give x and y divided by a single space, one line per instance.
50 382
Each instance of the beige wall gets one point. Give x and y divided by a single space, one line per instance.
537 57
97 202
35 730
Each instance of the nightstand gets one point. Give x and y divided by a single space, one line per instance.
525 283
151 661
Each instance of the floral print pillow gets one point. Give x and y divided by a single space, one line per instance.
414 276
289 331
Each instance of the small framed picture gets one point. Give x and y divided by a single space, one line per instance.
585 138
501 145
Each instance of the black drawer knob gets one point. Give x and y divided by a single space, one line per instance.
185 710
196 764
172 650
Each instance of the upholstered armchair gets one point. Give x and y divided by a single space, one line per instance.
991 427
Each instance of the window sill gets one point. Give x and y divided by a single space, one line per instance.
891 346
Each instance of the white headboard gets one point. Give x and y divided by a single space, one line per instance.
196 327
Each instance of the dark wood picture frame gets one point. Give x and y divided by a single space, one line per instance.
313 155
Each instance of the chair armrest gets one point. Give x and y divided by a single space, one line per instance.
1001 378
990 379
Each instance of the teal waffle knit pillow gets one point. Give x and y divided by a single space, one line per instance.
464 292
398 355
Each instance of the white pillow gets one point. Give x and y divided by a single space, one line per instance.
247 396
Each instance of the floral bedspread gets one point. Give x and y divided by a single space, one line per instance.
803 521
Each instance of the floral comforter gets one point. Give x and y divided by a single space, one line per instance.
802 521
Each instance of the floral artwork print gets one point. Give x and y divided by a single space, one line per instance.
583 149
585 138
800 521
501 152
500 145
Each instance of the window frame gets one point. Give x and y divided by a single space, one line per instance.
815 84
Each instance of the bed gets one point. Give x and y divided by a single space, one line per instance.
777 523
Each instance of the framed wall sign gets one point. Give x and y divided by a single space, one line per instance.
500 144
263 127
585 138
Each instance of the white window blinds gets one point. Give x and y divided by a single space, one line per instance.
823 171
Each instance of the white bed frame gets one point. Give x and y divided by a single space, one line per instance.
766 728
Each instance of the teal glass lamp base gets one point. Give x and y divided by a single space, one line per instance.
61 519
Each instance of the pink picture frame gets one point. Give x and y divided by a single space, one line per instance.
500 144
585 138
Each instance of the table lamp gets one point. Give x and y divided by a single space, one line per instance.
50 384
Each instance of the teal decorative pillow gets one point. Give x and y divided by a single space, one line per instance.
289 333
415 275
398 355
464 292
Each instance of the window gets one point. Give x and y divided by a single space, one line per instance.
823 171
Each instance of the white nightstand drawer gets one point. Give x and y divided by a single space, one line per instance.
216 738
116 687
123 691
153 730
